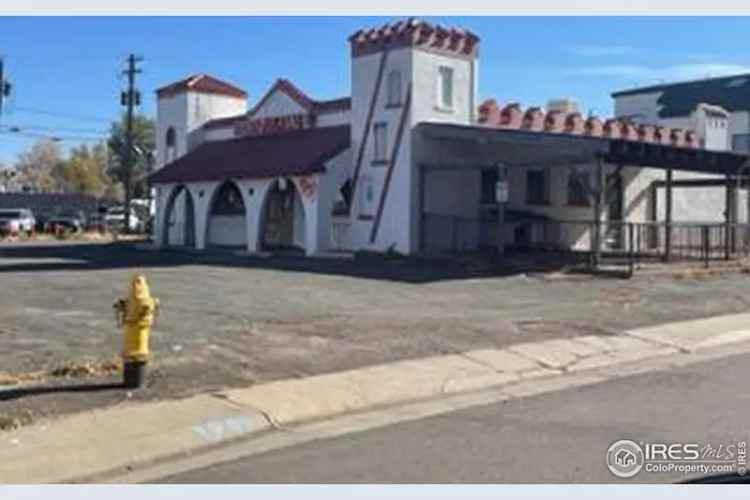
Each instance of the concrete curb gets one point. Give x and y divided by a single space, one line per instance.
125 436
120 437
691 336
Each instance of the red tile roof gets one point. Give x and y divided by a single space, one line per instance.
201 83
295 153
415 33
512 116
309 104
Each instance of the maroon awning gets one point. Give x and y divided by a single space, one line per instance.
293 153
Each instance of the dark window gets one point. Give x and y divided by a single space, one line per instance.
741 143
228 201
344 199
489 183
537 187
171 142
578 184
379 138
394 88
445 87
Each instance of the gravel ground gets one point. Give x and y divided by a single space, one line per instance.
228 320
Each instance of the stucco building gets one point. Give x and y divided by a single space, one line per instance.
411 161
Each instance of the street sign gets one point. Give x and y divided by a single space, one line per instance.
501 192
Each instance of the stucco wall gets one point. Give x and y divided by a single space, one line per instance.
419 69
227 230
187 112
456 195
278 104
333 119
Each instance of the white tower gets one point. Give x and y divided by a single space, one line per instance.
402 74
184 106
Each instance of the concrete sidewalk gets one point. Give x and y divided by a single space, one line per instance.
90 443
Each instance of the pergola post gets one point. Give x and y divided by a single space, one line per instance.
596 238
501 194
728 210
668 216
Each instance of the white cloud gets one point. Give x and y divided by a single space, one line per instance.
653 74
604 50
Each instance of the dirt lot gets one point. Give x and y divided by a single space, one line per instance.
230 320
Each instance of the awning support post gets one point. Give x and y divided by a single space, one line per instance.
668 216
502 176
596 238
728 209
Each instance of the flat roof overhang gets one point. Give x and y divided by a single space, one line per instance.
453 145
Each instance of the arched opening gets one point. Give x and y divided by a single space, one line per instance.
226 225
171 145
179 219
283 223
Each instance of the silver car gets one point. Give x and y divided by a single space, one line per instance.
17 221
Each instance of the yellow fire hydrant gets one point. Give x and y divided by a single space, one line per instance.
136 316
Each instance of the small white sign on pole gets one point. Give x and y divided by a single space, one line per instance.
501 192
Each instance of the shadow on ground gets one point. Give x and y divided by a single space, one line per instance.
22 392
123 255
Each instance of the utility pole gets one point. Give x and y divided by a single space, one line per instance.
4 87
129 98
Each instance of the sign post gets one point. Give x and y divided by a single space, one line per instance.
501 197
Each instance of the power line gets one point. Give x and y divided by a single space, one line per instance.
54 138
62 115
17 128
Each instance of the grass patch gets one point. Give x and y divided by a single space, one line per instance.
13 422
85 368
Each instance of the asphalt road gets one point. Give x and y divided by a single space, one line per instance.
557 437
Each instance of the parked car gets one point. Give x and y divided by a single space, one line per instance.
115 218
41 221
17 221
95 222
68 222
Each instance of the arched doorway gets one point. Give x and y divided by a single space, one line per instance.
283 223
179 219
227 225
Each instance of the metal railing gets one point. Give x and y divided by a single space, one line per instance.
634 241
640 240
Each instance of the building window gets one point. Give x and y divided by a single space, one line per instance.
741 143
445 87
490 176
537 187
379 138
367 197
171 145
578 189
394 89
228 201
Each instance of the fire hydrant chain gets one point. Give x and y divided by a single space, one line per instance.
135 315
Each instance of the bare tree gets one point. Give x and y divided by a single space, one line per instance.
40 168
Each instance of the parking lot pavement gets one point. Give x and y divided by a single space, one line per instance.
230 320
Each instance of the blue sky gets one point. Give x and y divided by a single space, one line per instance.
65 71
